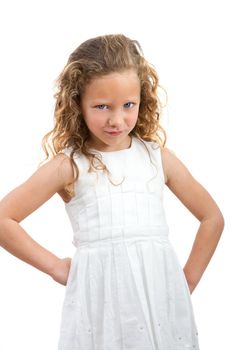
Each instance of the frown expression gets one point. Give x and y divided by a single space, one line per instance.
110 106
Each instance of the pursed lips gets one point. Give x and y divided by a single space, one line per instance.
113 131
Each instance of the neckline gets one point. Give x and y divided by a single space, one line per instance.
125 150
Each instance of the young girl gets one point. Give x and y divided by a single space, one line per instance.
125 288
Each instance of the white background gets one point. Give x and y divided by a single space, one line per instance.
190 44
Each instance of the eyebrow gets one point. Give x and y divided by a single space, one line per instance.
98 100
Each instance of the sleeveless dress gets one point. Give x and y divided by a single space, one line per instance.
126 289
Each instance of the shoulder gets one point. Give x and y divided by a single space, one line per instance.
65 166
60 164
178 177
67 172
173 167
158 153
60 171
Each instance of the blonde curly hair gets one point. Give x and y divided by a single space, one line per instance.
94 58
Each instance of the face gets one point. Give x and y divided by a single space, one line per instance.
110 106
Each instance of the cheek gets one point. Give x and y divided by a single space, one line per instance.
133 118
93 121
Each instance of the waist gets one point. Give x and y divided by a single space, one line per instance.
104 237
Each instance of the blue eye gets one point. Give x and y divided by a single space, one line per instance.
126 105
101 106
129 104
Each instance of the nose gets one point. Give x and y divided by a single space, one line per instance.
116 118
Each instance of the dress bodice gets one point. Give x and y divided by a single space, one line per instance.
127 202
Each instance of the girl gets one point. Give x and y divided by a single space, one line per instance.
125 288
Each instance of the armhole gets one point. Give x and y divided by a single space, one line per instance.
68 190
157 155
161 164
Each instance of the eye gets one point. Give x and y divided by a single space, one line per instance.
101 106
129 104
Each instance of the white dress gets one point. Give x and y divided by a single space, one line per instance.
126 289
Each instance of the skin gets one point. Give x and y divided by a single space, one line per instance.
109 103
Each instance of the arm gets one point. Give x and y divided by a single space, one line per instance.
21 202
199 202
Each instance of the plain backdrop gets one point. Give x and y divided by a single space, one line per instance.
190 45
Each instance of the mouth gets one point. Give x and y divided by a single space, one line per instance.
113 133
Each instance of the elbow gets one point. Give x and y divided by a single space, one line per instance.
215 222
4 222
219 222
220 219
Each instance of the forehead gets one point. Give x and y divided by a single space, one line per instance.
116 84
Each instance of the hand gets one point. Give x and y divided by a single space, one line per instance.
61 271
